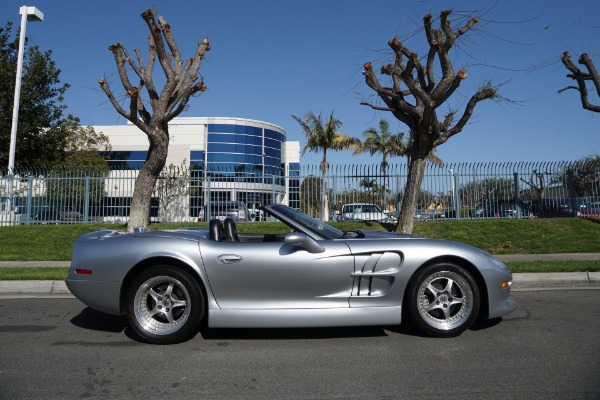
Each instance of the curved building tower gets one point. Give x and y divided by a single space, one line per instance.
227 159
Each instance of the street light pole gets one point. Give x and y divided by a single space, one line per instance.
27 14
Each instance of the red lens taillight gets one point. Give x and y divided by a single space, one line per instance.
81 271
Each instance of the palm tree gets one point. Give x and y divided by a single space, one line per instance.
322 137
389 145
384 142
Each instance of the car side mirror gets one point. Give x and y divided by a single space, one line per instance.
303 241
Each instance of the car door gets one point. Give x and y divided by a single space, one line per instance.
276 275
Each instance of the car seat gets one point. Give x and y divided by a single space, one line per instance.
216 231
231 234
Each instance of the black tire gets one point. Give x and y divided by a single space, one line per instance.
443 300
164 305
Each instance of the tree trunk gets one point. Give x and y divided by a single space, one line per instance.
146 181
406 219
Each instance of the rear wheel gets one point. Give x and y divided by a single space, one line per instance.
443 300
164 305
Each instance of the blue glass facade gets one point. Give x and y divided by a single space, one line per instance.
249 151
125 160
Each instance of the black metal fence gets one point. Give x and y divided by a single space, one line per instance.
457 191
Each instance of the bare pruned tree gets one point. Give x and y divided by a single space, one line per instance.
181 84
537 183
581 77
415 94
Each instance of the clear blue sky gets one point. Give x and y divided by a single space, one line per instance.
271 59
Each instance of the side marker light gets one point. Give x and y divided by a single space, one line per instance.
81 271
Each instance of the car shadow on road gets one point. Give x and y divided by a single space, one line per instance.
482 324
289 333
95 320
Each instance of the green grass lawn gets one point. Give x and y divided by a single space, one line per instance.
33 274
532 236
527 236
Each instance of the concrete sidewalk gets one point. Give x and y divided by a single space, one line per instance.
550 257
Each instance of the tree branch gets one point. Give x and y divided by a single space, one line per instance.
468 112
585 59
106 89
374 107
394 100
580 77
159 45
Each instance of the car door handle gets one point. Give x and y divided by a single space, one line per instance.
229 259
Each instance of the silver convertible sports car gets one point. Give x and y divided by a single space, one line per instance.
169 282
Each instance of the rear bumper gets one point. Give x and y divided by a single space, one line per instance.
99 295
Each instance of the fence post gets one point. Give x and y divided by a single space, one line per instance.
333 197
86 201
571 188
207 205
456 196
29 201
516 183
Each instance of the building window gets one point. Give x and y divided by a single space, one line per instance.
294 186
244 153
196 182
125 160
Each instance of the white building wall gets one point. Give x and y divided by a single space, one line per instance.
186 135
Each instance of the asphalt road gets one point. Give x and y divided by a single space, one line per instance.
58 349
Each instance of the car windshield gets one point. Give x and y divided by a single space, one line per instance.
300 221
224 207
371 208
361 208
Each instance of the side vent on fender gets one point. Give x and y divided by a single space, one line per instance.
377 273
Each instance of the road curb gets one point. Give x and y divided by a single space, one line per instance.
34 288
555 280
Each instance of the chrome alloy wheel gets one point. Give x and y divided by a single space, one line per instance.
445 300
162 305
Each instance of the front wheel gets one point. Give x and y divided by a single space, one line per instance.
443 300
164 305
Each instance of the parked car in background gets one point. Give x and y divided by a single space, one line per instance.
45 215
563 207
425 214
549 208
257 215
583 208
502 209
363 212
235 210
41 215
